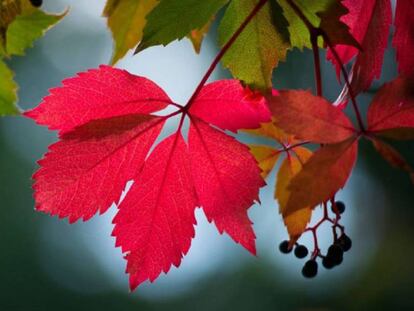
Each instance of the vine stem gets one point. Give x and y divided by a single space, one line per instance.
223 51
320 32
317 62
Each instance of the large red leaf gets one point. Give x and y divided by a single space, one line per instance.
87 170
96 94
227 180
230 106
404 36
155 222
310 117
322 175
392 107
106 135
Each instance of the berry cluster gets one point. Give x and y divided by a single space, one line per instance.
335 253
36 3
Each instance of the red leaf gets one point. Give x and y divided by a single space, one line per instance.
310 117
155 222
227 180
87 170
404 36
369 23
96 94
357 19
106 135
322 175
369 61
392 107
228 105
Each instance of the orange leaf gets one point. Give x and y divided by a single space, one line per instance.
297 221
323 175
310 117
266 158
270 130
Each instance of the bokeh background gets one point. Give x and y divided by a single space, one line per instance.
47 264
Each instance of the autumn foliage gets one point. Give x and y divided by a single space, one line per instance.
111 123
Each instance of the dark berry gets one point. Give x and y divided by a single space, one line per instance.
36 3
340 207
284 247
301 251
327 262
310 269
345 242
335 253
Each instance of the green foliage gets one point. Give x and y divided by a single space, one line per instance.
174 19
8 89
27 28
20 25
259 48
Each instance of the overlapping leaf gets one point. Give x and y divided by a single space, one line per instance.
310 117
369 23
127 19
325 14
106 133
297 221
20 25
391 112
259 48
175 19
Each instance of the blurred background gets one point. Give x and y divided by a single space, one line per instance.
47 264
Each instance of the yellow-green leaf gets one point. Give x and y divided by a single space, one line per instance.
126 20
30 25
295 222
8 89
261 45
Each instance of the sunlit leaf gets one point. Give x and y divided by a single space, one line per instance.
259 48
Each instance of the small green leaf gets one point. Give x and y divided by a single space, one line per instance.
175 19
126 19
8 91
26 28
261 45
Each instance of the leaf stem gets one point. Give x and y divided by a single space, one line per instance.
347 83
317 62
223 51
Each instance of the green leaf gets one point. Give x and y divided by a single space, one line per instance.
174 19
322 13
261 45
8 90
27 27
127 19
